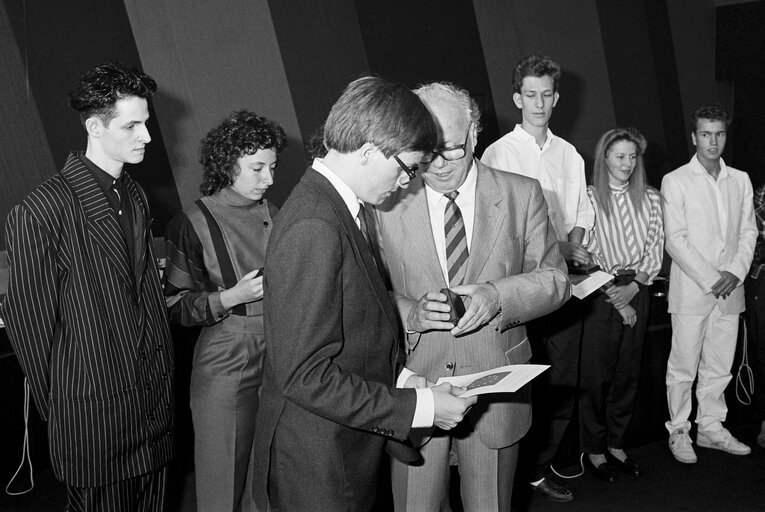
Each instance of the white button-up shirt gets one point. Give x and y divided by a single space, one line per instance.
559 169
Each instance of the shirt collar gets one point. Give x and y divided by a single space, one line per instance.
525 136
104 179
349 197
697 168
618 189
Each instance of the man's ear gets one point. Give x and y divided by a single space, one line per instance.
517 100
93 126
693 137
367 152
556 96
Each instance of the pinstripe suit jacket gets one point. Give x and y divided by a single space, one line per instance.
514 246
90 329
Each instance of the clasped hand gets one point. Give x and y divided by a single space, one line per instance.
431 312
725 285
574 252
450 408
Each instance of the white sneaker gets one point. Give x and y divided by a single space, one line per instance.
680 445
722 440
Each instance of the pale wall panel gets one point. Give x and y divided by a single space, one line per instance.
568 32
209 61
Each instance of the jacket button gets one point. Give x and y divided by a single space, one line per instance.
449 365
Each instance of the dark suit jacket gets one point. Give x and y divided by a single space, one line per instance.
327 401
90 329
513 246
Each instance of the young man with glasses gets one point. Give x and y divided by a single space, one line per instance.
532 150
484 234
328 401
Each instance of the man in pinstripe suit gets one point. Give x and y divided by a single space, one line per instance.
85 312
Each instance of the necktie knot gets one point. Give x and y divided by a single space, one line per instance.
451 196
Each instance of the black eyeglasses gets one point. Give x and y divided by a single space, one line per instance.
410 171
451 153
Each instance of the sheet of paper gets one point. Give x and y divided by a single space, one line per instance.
583 285
504 379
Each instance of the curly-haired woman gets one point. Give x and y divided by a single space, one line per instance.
215 250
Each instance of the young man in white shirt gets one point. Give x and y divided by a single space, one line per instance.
531 149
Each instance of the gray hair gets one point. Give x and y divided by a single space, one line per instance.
458 94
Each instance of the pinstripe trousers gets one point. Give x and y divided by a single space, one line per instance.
486 475
143 493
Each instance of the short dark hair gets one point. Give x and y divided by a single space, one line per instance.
538 66
713 112
385 113
99 89
241 133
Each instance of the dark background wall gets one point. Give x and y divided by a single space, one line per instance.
645 63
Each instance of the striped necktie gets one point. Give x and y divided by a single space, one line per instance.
456 241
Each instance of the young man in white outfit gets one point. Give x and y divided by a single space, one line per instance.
710 234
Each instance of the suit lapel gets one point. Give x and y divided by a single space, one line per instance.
488 219
359 245
100 222
414 208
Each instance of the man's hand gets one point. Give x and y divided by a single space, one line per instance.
574 253
629 316
430 313
621 296
725 285
449 408
248 289
482 307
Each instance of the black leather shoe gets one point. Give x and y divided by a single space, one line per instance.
604 471
552 491
628 467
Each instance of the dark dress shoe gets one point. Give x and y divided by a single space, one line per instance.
628 467
552 491
603 471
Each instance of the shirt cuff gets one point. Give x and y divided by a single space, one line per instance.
403 376
425 410
216 306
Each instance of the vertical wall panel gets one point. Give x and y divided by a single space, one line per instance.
429 40
25 158
62 40
693 38
210 61
322 50
512 29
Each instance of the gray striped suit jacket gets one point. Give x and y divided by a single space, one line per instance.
90 329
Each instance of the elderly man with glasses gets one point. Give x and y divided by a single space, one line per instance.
484 234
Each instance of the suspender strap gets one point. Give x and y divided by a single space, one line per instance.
221 254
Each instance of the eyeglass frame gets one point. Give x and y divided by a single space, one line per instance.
410 171
463 147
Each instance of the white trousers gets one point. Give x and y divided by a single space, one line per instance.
703 346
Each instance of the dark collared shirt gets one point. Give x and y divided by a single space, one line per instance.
120 201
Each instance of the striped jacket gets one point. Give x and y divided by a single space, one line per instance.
90 329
